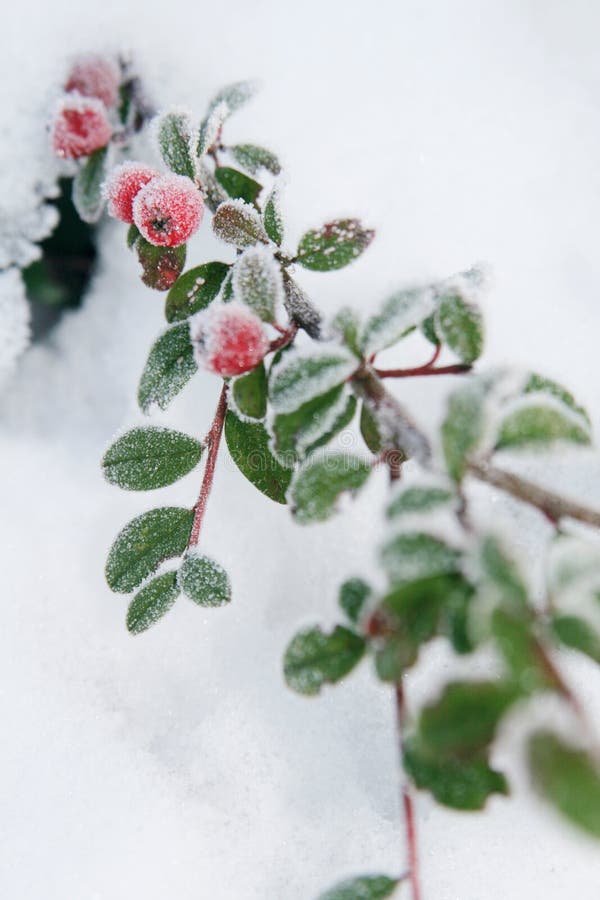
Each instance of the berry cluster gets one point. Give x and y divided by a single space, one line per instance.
82 122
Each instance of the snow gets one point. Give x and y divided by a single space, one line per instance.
176 763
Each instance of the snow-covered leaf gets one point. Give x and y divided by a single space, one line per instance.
210 128
460 326
413 555
577 634
234 95
418 499
539 384
501 574
238 223
237 185
334 245
366 887
87 186
175 134
320 482
151 457
161 266
299 377
253 158
300 309
464 425
169 367
313 658
194 290
399 314
144 543
535 423
370 430
152 602
272 218
250 393
204 581
257 282
313 424
354 594
248 444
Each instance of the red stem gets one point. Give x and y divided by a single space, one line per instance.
212 441
287 335
427 369
407 804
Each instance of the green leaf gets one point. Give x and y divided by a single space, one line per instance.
354 593
204 581
370 430
540 424
253 158
257 282
312 425
195 290
463 427
250 393
518 645
169 367
313 658
151 457
428 330
319 483
272 217
416 499
144 543
238 223
300 377
87 186
393 656
397 317
133 233
161 266
568 778
367 887
248 444
334 245
346 323
458 783
234 95
464 719
300 309
503 574
577 634
418 605
460 326
413 555
237 185
174 132
214 194
210 129
151 603
539 384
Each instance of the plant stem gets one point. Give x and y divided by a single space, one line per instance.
407 802
212 441
287 335
458 369
552 505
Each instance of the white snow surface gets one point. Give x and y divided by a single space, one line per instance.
176 764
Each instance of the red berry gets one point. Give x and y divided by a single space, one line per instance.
95 76
81 126
228 338
168 210
122 186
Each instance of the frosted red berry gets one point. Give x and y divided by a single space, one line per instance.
80 126
95 76
228 339
168 210
123 185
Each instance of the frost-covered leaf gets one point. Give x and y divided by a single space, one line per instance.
577 634
313 424
210 128
248 444
151 457
463 427
300 376
370 430
334 245
234 95
257 282
152 602
253 158
161 266
272 218
366 887
313 658
144 543
321 480
250 393
175 133
517 643
539 384
398 315
418 499
214 194
460 326
237 185
300 309
458 783
429 332
87 186
238 223
194 290
464 718
501 572
538 424
346 323
204 581
169 367
354 593
413 555
568 777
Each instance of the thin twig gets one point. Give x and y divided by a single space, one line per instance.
418 371
213 439
407 802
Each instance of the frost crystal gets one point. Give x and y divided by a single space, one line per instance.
14 321
257 282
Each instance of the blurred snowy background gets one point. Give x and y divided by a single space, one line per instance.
176 764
